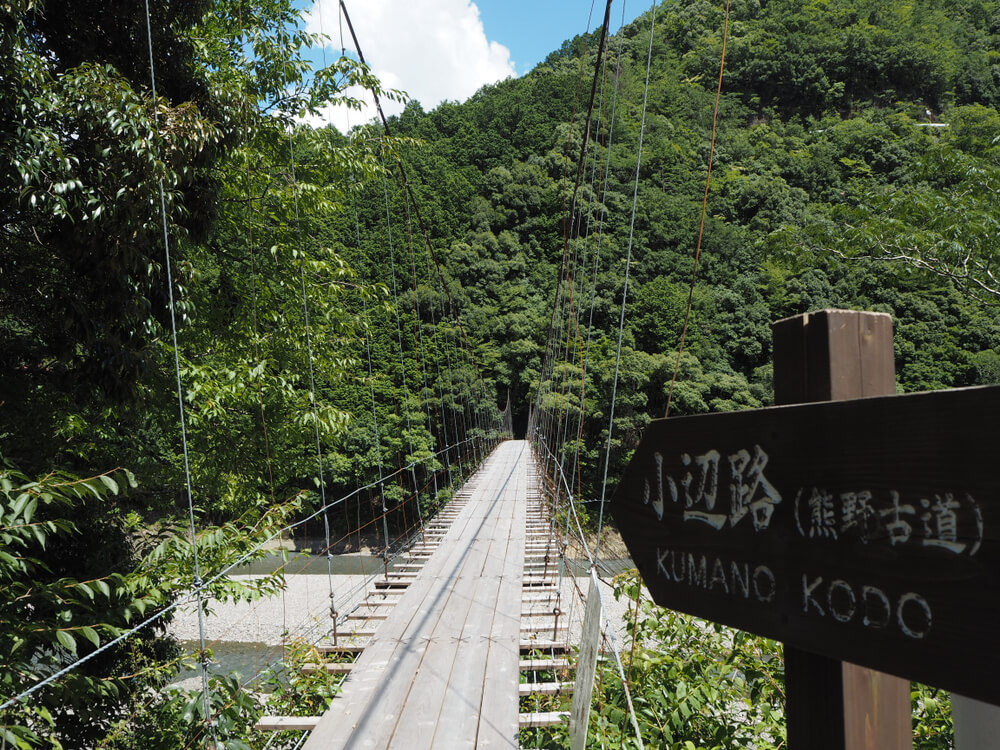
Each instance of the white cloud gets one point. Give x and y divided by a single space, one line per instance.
432 49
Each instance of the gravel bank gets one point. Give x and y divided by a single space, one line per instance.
303 610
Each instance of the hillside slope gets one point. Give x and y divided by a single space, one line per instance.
829 160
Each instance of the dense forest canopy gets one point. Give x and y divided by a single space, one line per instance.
856 165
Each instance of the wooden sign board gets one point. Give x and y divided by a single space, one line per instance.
865 530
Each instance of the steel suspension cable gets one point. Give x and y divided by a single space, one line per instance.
402 363
554 335
704 211
366 320
418 336
628 266
311 368
406 409
371 388
569 217
572 333
206 700
437 341
312 381
583 371
408 188
609 142
556 341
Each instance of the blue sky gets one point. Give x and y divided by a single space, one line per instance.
438 50
531 29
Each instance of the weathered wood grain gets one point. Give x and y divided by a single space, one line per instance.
286 723
429 676
866 530
834 355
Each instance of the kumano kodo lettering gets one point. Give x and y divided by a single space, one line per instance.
725 491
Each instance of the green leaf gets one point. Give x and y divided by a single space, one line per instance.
29 509
8 559
89 484
39 535
110 483
66 640
91 635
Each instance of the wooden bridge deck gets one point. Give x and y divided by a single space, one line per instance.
442 670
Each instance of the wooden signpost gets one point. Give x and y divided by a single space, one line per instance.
864 531
835 355
586 667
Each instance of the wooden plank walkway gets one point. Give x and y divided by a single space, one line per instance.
442 670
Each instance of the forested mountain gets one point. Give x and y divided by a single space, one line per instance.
856 164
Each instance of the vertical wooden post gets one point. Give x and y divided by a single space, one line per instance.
977 724
586 666
831 705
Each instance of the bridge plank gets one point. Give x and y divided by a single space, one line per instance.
469 684
286 723
500 727
418 723
371 696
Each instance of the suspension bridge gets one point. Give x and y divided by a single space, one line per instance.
467 636
463 640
